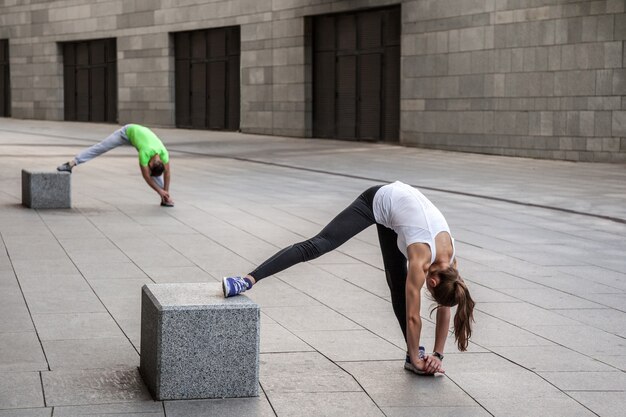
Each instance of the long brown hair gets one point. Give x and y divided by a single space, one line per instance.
451 291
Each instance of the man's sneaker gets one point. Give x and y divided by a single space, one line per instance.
66 167
234 285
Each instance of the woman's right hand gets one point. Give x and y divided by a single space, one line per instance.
423 367
432 364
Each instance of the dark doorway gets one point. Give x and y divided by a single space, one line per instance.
207 78
5 80
90 80
356 75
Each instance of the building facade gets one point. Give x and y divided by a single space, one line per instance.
530 78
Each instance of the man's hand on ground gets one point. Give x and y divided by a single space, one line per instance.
164 194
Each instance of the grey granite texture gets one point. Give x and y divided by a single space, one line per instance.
197 344
49 190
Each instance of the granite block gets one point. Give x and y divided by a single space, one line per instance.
46 189
197 344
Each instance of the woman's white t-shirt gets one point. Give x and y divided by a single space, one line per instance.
411 215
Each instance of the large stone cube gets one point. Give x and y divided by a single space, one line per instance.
197 344
46 189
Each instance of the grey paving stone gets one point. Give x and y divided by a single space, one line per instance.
15 318
76 244
586 381
612 321
341 295
76 326
35 248
246 212
551 299
362 275
20 390
94 386
275 338
385 325
28 268
138 409
340 404
615 279
310 318
127 314
390 385
615 300
276 293
303 372
608 404
99 257
522 314
58 300
179 274
498 279
197 344
559 406
401 411
111 270
119 288
21 352
27 412
573 285
154 258
232 407
51 190
338 345
50 283
67 229
90 353
618 361
485 376
492 332
594 342
551 358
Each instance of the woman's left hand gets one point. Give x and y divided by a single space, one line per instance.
433 364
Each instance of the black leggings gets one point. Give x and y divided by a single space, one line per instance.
357 217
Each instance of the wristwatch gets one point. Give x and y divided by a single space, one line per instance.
438 355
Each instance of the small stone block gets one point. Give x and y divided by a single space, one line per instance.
197 344
46 190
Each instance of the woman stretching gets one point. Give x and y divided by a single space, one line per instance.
410 228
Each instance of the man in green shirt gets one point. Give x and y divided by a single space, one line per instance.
154 160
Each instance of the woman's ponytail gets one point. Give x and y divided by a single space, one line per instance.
464 315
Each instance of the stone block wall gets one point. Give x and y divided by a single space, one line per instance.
532 78
541 78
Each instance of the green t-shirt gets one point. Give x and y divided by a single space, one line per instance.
147 144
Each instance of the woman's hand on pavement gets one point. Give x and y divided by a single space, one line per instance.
433 364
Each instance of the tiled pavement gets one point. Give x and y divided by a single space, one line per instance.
541 242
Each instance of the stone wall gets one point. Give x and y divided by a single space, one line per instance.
537 78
